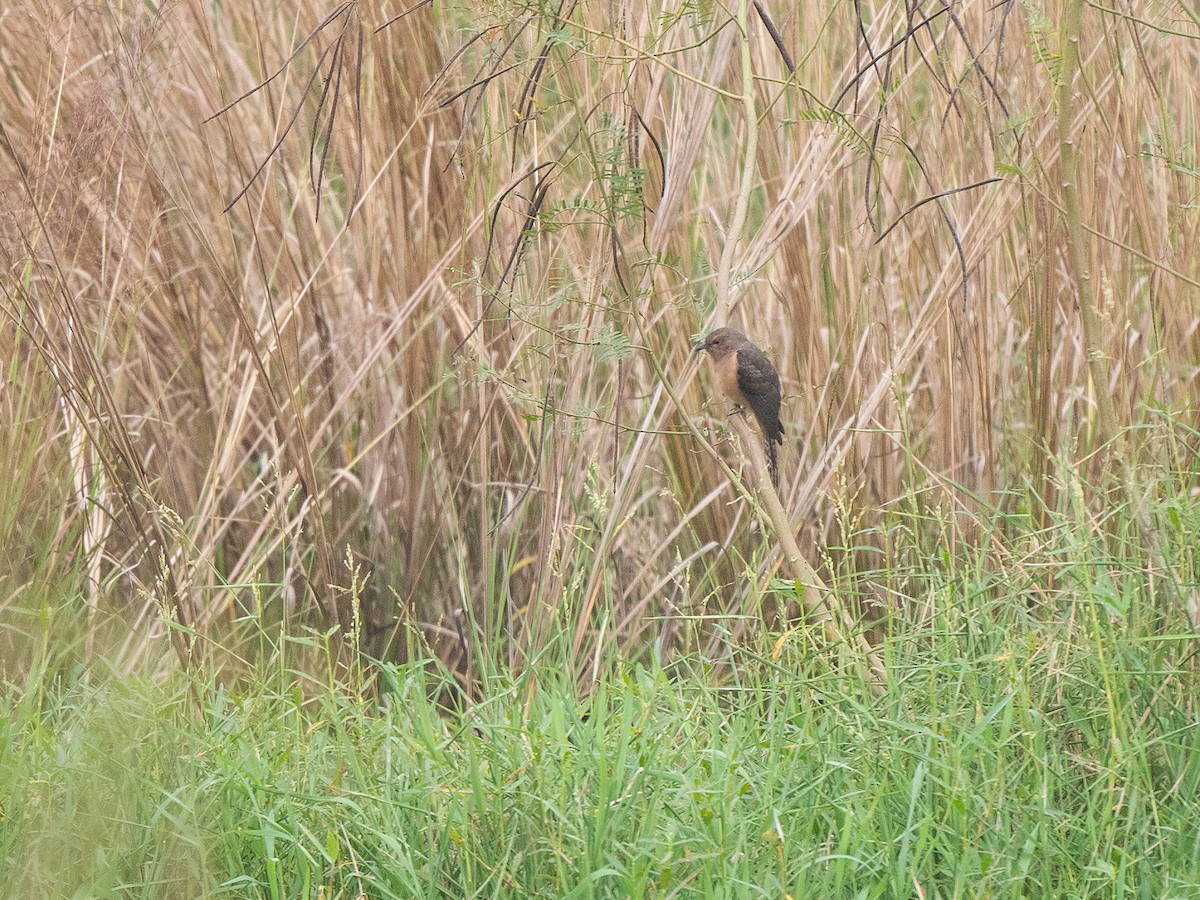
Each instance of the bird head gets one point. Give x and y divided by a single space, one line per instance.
721 343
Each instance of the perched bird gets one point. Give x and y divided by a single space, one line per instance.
746 377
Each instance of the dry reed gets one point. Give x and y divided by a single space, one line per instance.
285 279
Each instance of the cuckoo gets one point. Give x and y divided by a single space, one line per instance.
746 376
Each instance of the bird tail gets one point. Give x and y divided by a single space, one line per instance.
774 438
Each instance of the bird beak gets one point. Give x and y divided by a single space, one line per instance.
699 346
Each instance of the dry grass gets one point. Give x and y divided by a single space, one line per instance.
291 284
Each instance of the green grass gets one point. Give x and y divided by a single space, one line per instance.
1034 742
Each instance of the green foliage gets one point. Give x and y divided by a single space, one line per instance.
1015 755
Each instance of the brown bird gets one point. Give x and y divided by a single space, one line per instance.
746 377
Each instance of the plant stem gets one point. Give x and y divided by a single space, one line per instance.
836 620
749 168
1077 252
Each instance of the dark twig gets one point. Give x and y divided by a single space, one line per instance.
874 60
931 198
394 19
283 68
765 18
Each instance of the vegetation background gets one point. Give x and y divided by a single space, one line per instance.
366 528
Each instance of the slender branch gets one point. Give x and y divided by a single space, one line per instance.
818 602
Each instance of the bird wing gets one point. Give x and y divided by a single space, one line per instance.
759 384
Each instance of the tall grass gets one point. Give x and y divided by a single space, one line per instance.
367 527
293 292
1037 739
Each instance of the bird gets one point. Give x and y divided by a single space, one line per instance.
747 377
